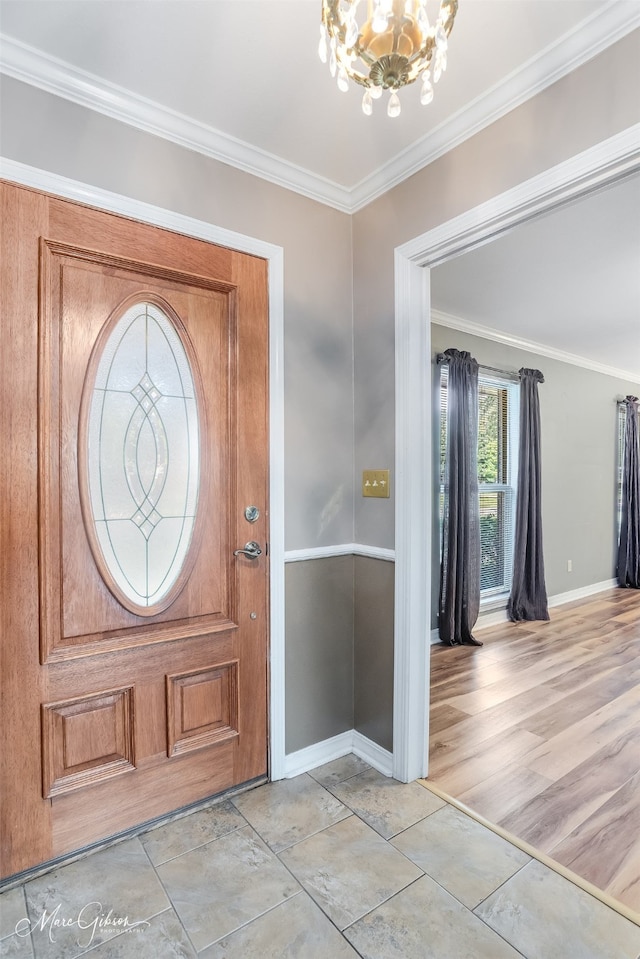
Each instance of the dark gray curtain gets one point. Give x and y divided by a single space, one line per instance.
629 545
460 567
528 599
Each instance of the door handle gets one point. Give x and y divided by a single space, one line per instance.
251 549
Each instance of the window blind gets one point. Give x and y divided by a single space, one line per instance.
497 446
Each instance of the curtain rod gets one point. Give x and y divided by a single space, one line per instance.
511 374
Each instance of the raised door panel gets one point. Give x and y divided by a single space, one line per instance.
81 291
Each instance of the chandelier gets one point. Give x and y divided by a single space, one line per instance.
385 45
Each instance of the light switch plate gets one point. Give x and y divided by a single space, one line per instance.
375 483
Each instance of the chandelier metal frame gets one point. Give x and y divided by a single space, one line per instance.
387 48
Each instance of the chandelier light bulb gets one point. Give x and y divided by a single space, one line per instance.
394 106
333 58
423 21
386 45
440 65
379 22
351 33
426 93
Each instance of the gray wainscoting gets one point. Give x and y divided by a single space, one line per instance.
373 649
339 650
319 650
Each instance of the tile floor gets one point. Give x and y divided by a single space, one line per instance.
337 863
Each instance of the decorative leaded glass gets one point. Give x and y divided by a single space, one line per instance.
143 459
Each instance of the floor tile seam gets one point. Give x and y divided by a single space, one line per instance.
25 911
320 905
382 902
159 878
172 905
447 892
393 835
25 876
303 889
542 857
500 886
16 935
200 845
183 927
13 935
147 918
471 909
339 782
316 832
249 922
354 812
411 825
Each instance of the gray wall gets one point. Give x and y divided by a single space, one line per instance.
52 134
67 139
579 423
319 651
590 105
593 103
373 649
328 373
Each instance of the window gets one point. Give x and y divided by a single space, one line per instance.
141 457
622 422
498 400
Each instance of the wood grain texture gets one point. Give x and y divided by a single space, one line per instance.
24 817
538 731
75 662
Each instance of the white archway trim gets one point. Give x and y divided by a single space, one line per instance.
591 170
126 206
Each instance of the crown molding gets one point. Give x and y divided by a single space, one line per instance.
529 346
592 36
569 52
32 66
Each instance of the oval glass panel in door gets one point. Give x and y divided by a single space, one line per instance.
142 457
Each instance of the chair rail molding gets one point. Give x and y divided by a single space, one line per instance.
595 168
342 549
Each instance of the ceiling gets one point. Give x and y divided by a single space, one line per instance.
213 75
568 281
241 79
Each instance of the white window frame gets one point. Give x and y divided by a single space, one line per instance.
495 597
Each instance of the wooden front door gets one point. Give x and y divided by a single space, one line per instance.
134 443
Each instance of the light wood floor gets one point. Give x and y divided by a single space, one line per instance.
539 732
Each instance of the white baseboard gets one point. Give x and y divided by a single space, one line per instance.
582 592
495 617
491 618
329 749
381 759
